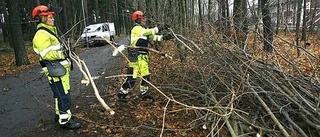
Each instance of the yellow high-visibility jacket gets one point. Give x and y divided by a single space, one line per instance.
48 47
143 34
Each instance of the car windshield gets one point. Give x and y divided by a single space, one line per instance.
92 28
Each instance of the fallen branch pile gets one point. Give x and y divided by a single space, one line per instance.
245 96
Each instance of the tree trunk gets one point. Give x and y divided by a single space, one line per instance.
186 14
267 26
192 17
314 12
299 3
16 36
286 30
304 26
116 17
240 21
256 20
86 13
181 48
210 9
65 20
223 27
96 3
200 16
169 14
278 17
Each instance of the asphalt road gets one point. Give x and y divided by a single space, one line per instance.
26 98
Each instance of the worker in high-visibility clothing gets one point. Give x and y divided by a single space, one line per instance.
139 58
52 53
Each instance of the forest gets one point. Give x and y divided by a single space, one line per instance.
243 68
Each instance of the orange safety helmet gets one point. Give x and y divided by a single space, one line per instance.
41 10
137 16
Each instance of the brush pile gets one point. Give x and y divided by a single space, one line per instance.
246 94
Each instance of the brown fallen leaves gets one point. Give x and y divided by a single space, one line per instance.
8 62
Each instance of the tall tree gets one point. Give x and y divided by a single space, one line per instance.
210 10
286 30
116 16
15 34
278 17
200 16
313 14
97 12
240 22
267 26
224 17
64 16
298 21
304 21
85 11
181 19
186 14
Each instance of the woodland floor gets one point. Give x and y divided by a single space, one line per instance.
136 117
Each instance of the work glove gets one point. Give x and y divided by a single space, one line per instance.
163 27
168 36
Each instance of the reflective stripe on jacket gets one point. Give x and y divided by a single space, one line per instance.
140 33
46 45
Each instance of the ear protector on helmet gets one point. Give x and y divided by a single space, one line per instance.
37 18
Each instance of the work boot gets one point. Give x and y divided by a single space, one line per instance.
144 93
122 94
72 125
122 97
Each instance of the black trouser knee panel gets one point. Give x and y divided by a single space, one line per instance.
130 81
144 83
64 100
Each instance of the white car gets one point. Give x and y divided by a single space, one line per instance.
97 33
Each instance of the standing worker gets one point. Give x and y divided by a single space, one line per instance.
55 64
139 57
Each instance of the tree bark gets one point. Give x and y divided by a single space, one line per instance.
278 17
65 18
286 30
210 9
200 16
240 22
116 16
299 4
314 12
304 26
223 19
16 36
181 48
96 3
267 26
